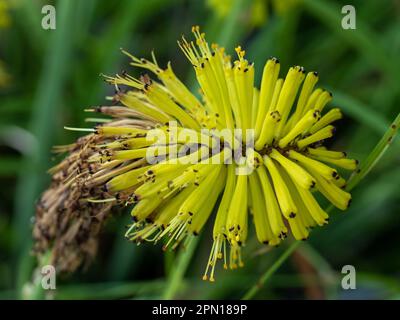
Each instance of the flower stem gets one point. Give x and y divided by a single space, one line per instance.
33 290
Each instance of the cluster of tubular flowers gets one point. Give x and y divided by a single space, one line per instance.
225 178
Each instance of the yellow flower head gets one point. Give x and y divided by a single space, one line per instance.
236 154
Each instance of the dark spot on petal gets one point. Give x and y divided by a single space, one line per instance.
348 203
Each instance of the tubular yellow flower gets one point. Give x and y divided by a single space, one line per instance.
200 160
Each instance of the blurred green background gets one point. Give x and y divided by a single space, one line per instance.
47 78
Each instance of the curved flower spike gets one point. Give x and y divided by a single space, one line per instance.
234 155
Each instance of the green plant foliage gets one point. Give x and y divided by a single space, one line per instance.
51 76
